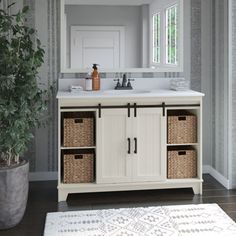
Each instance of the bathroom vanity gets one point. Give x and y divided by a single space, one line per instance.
120 140
130 144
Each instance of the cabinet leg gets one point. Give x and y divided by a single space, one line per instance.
197 188
62 195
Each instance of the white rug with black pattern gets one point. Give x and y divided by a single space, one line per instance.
202 219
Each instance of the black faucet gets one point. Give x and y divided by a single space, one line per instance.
124 81
124 85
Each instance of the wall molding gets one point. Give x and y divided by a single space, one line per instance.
43 176
207 169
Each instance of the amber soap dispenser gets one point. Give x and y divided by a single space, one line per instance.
96 78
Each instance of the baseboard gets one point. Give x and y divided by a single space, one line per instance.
43 176
53 175
215 174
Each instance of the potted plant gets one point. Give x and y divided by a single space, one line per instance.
22 103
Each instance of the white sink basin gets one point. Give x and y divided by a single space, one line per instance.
121 92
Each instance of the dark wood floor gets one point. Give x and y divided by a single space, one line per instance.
43 199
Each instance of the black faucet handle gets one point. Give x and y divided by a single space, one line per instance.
129 84
118 85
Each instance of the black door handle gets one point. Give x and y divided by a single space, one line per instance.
128 145
128 109
135 109
135 146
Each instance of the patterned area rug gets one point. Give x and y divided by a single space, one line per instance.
202 219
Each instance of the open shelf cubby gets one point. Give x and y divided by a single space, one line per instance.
182 144
78 147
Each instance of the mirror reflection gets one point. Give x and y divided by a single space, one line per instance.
120 36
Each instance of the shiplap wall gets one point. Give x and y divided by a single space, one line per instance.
203 65
232 86
214 83
44 148
220 83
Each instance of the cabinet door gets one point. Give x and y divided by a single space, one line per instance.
149 132
113 161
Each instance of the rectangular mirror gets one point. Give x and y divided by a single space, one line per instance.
125 36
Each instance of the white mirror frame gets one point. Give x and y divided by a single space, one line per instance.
63 46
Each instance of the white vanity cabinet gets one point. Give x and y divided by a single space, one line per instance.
131 150
129 147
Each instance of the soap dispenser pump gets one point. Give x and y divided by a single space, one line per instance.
95 78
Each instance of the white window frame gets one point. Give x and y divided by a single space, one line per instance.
163 65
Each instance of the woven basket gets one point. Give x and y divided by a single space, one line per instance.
182 164
78 168
182 128
78 132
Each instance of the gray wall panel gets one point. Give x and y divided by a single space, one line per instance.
203 67
233 72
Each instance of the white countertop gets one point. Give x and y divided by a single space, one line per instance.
127 94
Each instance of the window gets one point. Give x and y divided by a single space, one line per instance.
156 38
166 35
172 35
